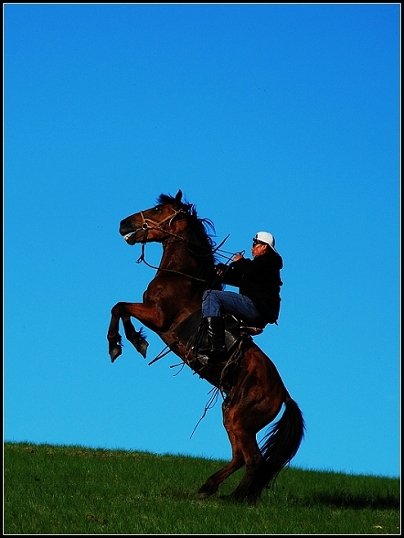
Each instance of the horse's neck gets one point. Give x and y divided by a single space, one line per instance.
180 256
176 256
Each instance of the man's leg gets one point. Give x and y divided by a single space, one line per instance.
216 303
213 314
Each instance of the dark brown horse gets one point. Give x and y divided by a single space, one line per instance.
253 391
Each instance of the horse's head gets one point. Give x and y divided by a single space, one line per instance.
155 223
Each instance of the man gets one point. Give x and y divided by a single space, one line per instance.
258 300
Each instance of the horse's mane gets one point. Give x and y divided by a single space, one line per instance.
200 242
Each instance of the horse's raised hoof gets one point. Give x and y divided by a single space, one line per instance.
141 345
114 352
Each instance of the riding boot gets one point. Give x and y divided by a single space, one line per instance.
215 329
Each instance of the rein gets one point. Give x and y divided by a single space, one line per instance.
143 259
157 225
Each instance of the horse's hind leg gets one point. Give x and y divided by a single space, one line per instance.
249 488
237 420
213 482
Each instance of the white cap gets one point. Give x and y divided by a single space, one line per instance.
266 237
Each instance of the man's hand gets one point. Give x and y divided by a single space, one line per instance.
221 269
238 256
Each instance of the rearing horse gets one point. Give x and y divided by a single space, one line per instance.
255 394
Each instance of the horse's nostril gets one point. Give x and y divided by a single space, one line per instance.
123 226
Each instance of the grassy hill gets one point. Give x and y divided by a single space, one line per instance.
74 490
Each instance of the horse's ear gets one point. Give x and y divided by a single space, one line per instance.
178 197
179 204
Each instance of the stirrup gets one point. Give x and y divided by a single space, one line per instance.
252 331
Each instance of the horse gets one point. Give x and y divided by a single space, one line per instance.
252 389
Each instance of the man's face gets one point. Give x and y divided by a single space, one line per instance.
258 248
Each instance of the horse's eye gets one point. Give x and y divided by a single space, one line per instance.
157 208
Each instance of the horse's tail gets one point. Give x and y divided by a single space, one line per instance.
278 447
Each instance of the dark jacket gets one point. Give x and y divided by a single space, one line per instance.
259 279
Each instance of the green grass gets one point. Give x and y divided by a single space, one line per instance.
74 490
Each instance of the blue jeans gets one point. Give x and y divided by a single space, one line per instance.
216 303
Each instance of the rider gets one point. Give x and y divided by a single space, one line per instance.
258 300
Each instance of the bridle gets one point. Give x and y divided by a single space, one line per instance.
149 224
145 221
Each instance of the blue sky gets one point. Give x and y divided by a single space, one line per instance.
271 117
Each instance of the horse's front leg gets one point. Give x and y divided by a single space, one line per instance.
137 338
145 313
113 336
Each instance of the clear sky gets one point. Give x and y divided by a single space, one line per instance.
276 117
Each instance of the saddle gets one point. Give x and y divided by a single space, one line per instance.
193 333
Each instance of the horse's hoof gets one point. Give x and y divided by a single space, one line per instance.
142 345
115 352
206 491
